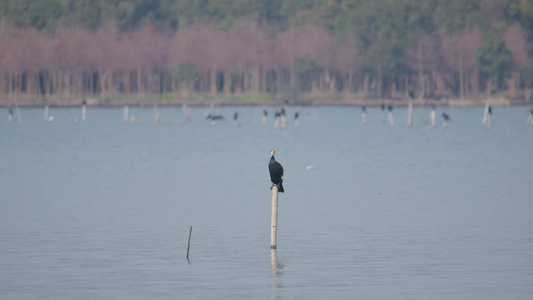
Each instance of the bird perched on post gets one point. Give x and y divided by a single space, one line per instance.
276 172
446 119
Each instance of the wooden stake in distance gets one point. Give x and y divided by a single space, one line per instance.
410 113
189 244
274 228
83 110
126 117
46 112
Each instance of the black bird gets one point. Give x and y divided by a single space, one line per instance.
276 172
214 117
446 116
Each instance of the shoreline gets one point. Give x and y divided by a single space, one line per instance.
149 102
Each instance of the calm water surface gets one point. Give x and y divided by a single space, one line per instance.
101 209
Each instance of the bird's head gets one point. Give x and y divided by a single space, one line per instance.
272 152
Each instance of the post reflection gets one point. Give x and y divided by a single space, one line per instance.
275 273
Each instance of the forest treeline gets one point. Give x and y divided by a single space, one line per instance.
379 49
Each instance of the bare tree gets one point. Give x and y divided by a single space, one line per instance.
516 42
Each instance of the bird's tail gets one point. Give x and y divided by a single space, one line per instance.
280 188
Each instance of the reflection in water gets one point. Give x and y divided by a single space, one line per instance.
275 265
275 273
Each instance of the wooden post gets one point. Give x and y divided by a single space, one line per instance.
410 114
46 112
489 117
485 113
432 116
274 229
264 116
18 111
83 112
126 117
189 244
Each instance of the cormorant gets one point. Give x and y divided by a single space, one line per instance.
489 117
265 115
276 172
391 119
277 120
214 117
282 117
446 119
83 109
363 114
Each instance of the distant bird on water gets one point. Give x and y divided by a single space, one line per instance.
489 116
276 172
214 117
446 118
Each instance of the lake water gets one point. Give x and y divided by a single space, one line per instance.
101 209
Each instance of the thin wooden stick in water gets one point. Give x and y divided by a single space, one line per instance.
189 244
18 111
